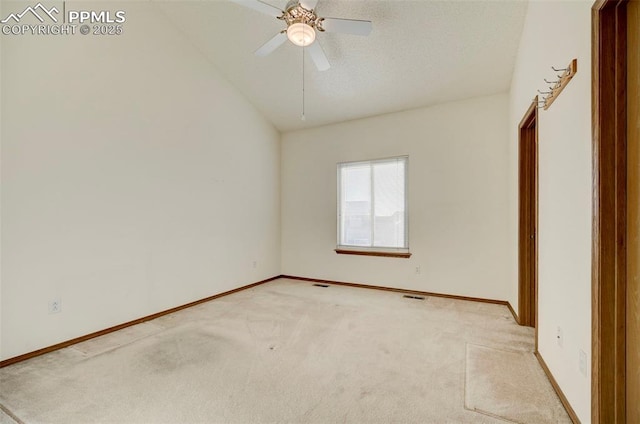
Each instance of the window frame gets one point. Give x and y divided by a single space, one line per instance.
384 251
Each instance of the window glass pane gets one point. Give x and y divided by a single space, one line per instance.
389 203
356 205
372 204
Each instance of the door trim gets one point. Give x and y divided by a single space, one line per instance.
609 117
528 287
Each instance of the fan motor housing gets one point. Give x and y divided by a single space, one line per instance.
295 13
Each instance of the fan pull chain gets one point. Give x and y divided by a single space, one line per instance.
303 117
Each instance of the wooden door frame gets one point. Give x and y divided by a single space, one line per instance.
528 288
609 116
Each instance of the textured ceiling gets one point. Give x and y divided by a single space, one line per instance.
419 53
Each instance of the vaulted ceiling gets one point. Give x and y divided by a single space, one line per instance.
419 53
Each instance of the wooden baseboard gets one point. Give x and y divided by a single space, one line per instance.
513 312
556 387
68 343
407 291
76 340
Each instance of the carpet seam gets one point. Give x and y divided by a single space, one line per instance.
11 414
536 355
476 410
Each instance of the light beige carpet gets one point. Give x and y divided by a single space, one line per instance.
285 351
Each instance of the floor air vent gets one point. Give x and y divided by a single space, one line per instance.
321 285
408 296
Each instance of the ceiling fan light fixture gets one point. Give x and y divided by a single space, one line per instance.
301 34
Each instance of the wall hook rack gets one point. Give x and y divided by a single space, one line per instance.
560 84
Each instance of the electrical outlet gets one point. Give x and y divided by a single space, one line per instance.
417 270
583 362
560 337
255 264
55 306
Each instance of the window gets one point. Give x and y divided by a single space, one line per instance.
372 207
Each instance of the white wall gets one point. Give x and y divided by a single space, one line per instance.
134 179
457 198
553 35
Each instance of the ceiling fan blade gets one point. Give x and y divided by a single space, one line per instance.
309 4
318 56
260 7
272 44
347 26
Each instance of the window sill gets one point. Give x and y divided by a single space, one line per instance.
405 255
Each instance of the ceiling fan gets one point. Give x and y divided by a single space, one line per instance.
302 26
